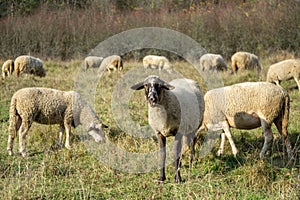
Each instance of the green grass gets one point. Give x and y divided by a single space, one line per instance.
51 173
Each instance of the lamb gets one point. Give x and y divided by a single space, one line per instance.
244 60
50 106
7 68
92 61
176 113
29 65
247 105
157 62
212 62
284 70
113 62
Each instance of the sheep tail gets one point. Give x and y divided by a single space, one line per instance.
13 118
285 120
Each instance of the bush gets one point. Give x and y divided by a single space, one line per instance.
68 31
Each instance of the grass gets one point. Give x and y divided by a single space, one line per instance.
51 173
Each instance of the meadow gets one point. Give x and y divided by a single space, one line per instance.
51 173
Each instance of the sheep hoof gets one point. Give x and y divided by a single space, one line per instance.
10 152
68 147
220 152
23 154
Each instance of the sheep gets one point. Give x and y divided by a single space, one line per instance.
92 61
50 106
244 60
212 62
284 70
113 62
29 65
7 68
157 62
247 105
176 113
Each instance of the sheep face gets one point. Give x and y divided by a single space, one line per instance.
95 130
153 86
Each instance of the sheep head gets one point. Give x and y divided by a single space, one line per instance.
153 87
95 130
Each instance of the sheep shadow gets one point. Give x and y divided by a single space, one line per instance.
249 147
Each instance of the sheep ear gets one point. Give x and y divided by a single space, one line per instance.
138 86
167 86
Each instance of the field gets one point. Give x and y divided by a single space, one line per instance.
51 173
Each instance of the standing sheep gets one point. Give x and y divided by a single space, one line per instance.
92 61
29 65
50 106
212 62
7 68
244 60
157 62
113 62
284 70
176 113
248 105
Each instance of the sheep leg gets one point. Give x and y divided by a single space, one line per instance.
22 137
12 135
177 154
162 144
59 141
192 157
268 138
298 83
68 132
229 137
221 149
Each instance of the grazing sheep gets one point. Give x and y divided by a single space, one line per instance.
50 106
284 70
92 61
248 105
212 62
113 62
244 60
176 113
157 62
7 68
29 65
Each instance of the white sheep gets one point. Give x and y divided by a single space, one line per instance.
7 68
244 60
29 65
247 105
50 106
92 62
157 62
284 70
174 109
113 62
212 62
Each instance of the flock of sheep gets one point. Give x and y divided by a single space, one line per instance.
177 108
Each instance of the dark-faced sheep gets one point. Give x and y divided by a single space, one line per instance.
29 65
174 109
244 60
50 106
248 105
7 68
284 70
